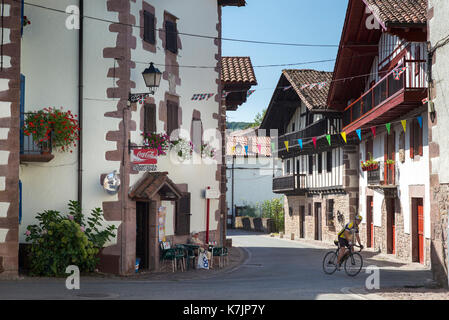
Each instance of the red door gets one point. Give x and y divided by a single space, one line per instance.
369 222
393 227
421 231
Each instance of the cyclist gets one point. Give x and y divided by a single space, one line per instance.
345 237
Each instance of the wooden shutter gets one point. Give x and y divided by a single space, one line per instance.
320 162
329 161
149 124
310 164
172 117
171 37
417 139
183 214
149 30
420 139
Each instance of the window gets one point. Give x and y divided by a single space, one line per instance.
172 117
320 162
330 211
310 164
149 34
310 209
171 37
293 127
329 161
182 222
297 166
149 124
416 139
288 167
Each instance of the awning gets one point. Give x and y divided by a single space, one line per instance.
153 183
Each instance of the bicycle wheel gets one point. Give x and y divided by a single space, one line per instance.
353 264
330 262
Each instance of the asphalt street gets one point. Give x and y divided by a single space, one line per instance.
274 269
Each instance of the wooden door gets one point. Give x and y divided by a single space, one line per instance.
318 235
369 222
420 217
391 246
302 217
142 234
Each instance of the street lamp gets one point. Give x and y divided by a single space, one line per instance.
152 77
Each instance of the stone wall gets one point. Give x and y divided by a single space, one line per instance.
9 136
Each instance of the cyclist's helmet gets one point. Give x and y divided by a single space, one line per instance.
359 217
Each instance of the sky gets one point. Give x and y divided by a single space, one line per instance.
290 21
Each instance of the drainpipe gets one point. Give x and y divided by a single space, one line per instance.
80 103
232 195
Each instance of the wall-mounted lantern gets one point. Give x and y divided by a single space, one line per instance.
152 77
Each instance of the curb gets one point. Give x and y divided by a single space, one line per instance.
361 294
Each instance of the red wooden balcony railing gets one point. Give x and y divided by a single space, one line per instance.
413 78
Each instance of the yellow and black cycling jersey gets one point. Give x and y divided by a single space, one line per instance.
351 227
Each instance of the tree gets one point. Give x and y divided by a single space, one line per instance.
257 119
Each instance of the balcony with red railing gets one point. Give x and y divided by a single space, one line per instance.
389 98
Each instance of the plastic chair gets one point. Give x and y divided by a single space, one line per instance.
168 254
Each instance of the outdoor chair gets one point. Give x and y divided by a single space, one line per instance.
171 254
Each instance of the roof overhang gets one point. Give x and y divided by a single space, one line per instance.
153 184
235 3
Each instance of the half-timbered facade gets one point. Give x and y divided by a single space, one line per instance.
319 181
379 84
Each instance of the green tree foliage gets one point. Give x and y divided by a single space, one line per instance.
258 119
274 209
237 125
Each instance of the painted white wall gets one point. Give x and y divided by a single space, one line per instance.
50 64
439 27
411 172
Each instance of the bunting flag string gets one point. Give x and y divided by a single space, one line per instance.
359 133
373 130
328 137
419 121
300 143
249 93
202 96
388 126
286 145
246 149
287 88
314 141
425 100
259 147
404 124
343 134
398 71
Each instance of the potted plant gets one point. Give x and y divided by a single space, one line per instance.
156 141
183 148
390 163
207 151
52 127
369 165
26 21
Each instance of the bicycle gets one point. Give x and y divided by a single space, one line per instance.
353 261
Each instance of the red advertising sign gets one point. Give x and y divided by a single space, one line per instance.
144 156
144 159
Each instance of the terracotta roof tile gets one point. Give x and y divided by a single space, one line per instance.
314 98
238 70
399 11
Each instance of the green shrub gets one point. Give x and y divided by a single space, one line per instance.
58 241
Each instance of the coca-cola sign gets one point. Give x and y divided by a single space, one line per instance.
144 156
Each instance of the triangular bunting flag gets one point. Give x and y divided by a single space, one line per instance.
388 125
286 145
286 88
343 135
272 146
313 85
404 124
300 143
359 133
419 121
425 100
328 137
314 141
250 92
259 147
233 149
304 86
373 130
246 149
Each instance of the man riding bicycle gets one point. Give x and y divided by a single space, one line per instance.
345 237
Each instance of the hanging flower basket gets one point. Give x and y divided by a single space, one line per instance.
51 126
369 165
157 141
207 151
183 148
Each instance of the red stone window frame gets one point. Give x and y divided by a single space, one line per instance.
147 8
